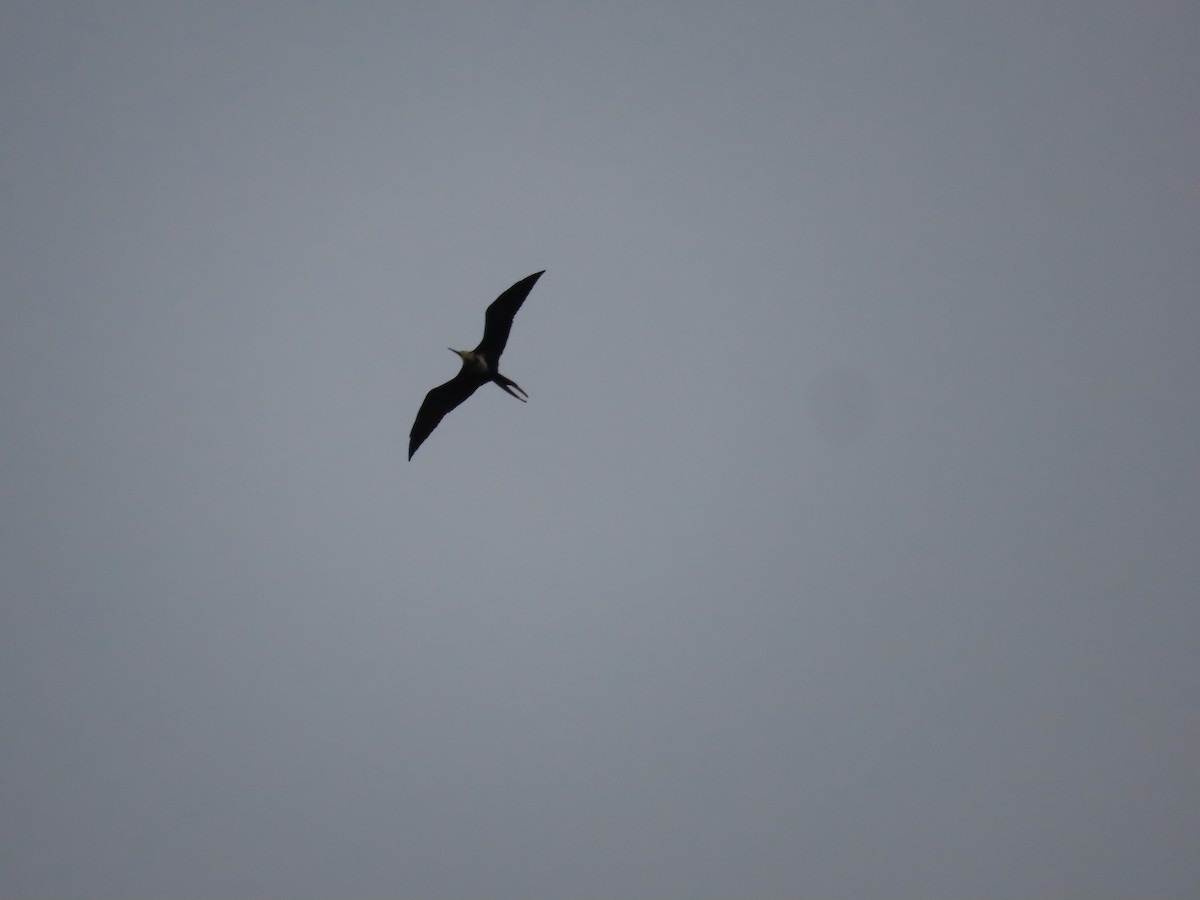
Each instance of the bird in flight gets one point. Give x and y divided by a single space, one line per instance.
479 366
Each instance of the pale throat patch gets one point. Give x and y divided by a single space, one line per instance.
475 362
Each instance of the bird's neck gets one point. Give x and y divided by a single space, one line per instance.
474 361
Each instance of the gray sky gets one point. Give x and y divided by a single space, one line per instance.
848 544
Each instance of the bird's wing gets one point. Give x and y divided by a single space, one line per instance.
499 318
438 402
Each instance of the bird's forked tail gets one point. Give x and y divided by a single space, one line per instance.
507 384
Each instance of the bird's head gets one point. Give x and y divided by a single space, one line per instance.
470 360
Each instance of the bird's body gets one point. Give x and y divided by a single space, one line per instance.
479 366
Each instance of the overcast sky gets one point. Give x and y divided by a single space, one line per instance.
848 546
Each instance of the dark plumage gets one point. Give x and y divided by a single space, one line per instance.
479 366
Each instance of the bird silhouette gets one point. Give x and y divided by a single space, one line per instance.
479 366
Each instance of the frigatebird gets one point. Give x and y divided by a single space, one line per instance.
479 366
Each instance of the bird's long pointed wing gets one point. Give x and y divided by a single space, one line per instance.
499 317
439 401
